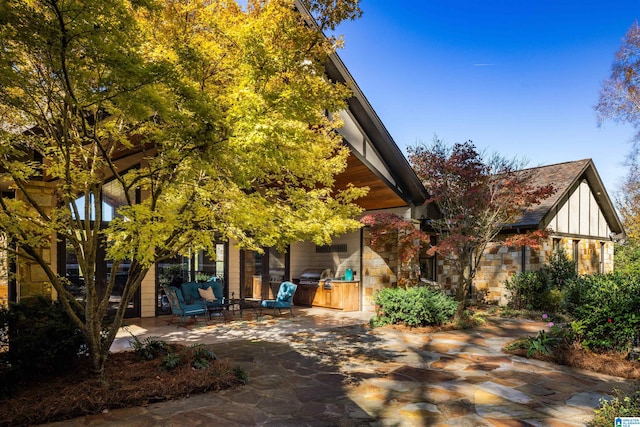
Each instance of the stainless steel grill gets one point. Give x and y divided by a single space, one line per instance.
312 276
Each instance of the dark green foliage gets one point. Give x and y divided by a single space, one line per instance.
40 336
542 343
150 347
627 257
170 361
558 271
413 306
526 291
199 355
241 374
607 310
622 405
542 289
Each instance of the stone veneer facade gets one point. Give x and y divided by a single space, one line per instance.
379 270
4 273
32 280
500 263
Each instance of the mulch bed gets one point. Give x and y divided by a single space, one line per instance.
127 382
574 356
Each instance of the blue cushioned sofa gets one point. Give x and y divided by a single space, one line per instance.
191 295
186 300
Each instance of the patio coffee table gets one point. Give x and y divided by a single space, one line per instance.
245 304
218 310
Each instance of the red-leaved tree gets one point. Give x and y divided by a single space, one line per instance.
477 197
391 229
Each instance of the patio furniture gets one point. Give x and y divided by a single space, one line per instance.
179 308
242 304
191 293
284 298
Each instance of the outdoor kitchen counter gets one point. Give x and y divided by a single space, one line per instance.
338 294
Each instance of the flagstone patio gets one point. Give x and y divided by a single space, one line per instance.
326 368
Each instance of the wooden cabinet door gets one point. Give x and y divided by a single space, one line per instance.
318 298
333 298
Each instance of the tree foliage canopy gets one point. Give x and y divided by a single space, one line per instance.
620 101
209 118
478 197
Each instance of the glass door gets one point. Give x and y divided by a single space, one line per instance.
113 197
262 274
199 266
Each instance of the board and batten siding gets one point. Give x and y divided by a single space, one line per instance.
580 215
304 256
233 281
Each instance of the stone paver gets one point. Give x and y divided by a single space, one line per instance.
325 368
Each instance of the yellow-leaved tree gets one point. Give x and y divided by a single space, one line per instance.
208 118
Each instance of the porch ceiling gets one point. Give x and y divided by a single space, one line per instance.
380 196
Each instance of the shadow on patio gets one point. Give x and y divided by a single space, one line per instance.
324 367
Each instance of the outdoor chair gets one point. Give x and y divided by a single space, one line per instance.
284 299
179 308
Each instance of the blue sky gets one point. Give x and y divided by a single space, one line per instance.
517 77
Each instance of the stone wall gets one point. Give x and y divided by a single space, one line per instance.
500 263
31 278
4 272
379 270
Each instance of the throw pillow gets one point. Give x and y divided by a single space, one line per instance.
207 294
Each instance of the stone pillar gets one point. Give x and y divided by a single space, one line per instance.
31 278
4 272
379 270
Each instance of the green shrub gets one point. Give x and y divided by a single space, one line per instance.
542 289
606 309
622 405
41 337
199 355
542 343
626 257
413 306
557 271
241 374
526 291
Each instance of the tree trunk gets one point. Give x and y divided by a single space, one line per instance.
462 292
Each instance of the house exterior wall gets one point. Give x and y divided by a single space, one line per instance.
304 256
233 264
31 278
500 263
4 272
379 270
148 294
580 215
379 266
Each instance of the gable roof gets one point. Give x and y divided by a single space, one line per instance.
394 169
565 178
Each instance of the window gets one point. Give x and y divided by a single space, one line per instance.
556 245
428 263
576 254
602 255
523 259
195 266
